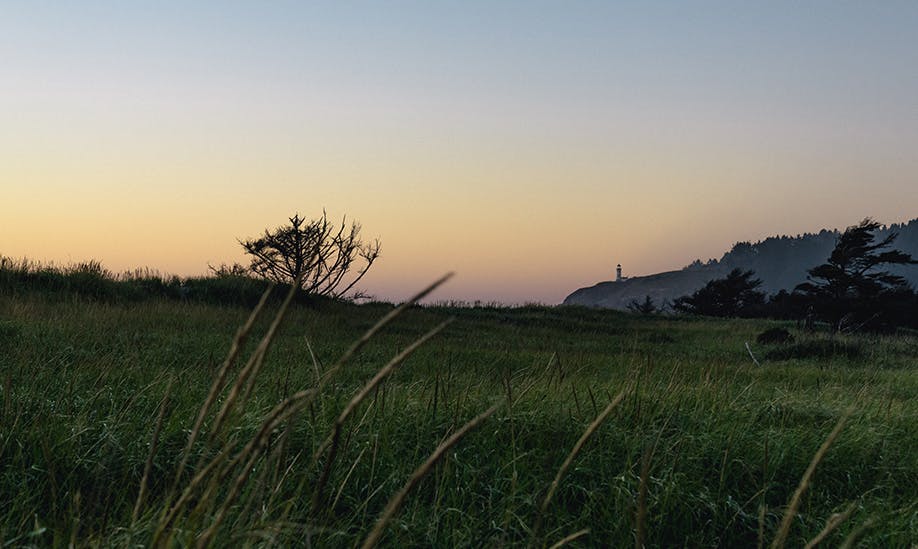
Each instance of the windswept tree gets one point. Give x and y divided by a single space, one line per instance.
852 285
330 259
735 295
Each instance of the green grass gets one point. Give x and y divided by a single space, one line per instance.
709 447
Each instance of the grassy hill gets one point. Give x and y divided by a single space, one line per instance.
704 448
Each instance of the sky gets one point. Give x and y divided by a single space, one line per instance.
527 146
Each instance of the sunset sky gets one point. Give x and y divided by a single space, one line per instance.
527 146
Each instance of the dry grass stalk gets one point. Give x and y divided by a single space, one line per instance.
281 413
347 477
331 443
141 495
535 379
315 361
419 473
791 511
220 381
834 522
380 324
853 537
253 366
250 370
259 356
364 339
275 418
752 356
553 487
280 482
579 446
640 513
7 398
567 539
377 379
75 511
170 513
761 527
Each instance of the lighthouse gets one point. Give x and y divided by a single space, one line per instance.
618 273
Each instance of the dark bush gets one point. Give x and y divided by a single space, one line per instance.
659 338
817 348
773 336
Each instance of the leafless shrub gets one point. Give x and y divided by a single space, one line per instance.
328 258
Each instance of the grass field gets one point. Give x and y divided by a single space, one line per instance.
704 447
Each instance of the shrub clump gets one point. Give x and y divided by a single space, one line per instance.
817 348
773 336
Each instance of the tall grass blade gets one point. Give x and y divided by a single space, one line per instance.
331 443
834 522
395 503
281 413
553 487
249 372
578 447
382 323
791 511
857 534
640 513
148 466
220 382
567 539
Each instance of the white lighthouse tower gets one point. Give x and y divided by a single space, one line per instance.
618 273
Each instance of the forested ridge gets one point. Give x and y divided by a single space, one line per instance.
782 261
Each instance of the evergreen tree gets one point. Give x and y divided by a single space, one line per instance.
735 295
646 307
851 288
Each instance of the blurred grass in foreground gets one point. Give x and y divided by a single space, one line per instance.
704 448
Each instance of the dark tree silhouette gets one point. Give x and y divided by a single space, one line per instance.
646 307
735 295
329 259
850 288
